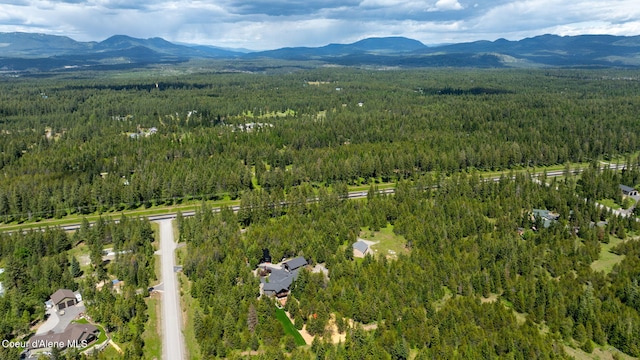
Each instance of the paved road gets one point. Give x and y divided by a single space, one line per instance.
173 342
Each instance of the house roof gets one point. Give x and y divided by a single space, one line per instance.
296 263
361 246
545 214
62 294
279 280
72 332
626 188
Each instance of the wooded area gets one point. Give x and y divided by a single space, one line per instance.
458 290
37 263
480 276
79 146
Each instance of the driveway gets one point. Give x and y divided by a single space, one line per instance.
57 323
173 342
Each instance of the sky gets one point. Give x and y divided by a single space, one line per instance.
270 24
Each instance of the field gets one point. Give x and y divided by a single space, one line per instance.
607 259
386 242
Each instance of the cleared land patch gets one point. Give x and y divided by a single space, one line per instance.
607 259
387 243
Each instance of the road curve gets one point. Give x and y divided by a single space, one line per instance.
173 342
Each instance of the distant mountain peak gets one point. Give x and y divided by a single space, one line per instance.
54 52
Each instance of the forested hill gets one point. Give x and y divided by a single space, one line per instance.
39 52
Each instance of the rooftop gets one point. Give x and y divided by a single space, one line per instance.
295 263
361 246
62 294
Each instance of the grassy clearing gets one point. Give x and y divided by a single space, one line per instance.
188 305
521 318
388 243
610 203
110 353
604 353
440 303
607 259
81 253
151 334
289 328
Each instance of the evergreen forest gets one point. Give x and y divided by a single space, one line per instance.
83 146
462 265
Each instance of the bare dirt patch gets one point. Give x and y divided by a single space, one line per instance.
491 299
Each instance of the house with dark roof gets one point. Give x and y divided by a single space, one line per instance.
75 335
295 263
361 249
628 191
278 283
280 277
63 299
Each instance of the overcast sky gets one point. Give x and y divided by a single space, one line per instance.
269 24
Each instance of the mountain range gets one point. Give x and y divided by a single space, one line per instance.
40 52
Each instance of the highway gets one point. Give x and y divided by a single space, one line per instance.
173 342
352 195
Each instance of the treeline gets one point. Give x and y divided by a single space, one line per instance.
66 144
467 285
122 311
37 263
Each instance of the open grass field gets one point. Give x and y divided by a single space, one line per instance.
289 328
607 259
387 242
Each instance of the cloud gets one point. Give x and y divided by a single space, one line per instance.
445 5
267 24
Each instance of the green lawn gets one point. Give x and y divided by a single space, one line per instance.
388 243
607 259
609 203
289 328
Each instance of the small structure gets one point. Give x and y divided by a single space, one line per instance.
546 216
628 191
266 257
361 249
63 299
